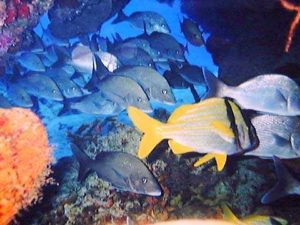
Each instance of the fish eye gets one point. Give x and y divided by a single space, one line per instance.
150 64
53 91
144 180
177 52
73 88
139 99
164 91
163 25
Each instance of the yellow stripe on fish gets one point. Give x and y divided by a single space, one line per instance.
210 126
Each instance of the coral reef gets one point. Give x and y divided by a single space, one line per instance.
294 24
188 192
17 16
25 157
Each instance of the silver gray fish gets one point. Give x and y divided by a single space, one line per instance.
190 73
270 93
133 56
40 86
278 136
125 92
18 96
110 61
83 59
123 171
154 84
191 31
68 88
286 184
153 21
175 80
31 62
166 46
4 103
95 104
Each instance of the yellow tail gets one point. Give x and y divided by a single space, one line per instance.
148 126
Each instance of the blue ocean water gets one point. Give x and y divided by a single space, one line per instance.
58 126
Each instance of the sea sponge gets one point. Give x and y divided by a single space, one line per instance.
25 157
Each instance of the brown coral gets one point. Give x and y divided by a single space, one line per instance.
25 157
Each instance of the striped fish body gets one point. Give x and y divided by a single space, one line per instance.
215 126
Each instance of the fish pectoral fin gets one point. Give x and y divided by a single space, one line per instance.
280 141
179 148
219 157
223 130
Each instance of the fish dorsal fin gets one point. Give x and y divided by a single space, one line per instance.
179 148
219 157
223 130
229 216
181 110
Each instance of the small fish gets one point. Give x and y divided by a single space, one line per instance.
251 220
95 104
271 93
215 126
109 60
192 32
40 86
286 184
278 136
18 96
190 73
68 88
175 80
125 92
166 47
123 171
83 59
133 56
4 102
31 62
153 21
154 84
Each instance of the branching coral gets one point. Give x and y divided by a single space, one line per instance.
25 157
291 7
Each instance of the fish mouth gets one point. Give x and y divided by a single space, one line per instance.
154 193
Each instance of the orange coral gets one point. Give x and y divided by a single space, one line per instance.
294 24
25 156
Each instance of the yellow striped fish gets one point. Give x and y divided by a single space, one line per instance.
251 220
215 126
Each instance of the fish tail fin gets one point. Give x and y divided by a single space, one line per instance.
148 126
284 178
229 215
121 17
84 162
214 85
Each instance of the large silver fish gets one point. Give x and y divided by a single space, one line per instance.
40 86
125 92
192 32
123 171
286 184
278 136
153 83
31 62
270 93
153 21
